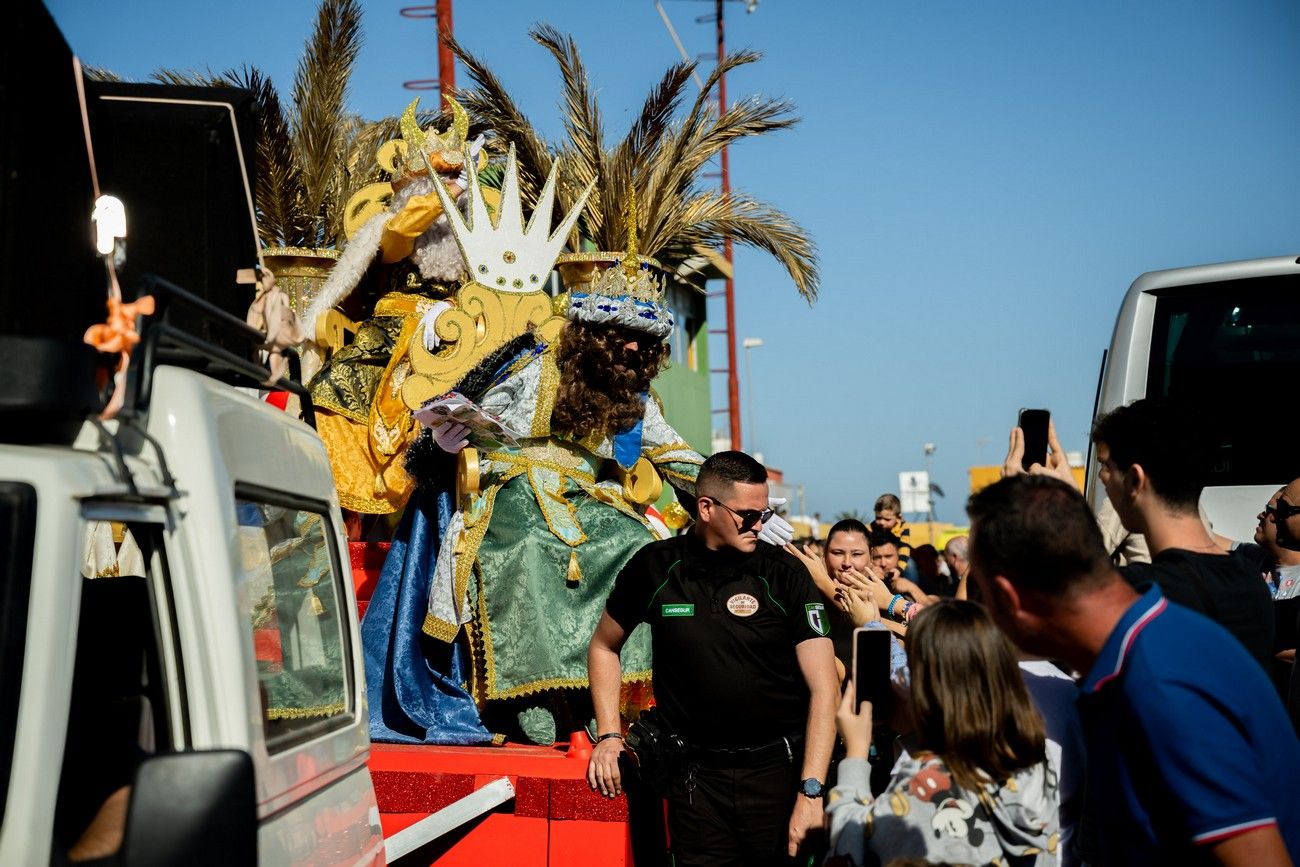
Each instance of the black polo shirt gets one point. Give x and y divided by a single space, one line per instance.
724 626
1224 587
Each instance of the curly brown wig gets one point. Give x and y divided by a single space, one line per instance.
601 381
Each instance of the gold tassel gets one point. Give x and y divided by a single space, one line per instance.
575 574
379 488
317 607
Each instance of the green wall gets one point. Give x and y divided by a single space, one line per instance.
685 392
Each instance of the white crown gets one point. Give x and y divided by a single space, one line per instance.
508 256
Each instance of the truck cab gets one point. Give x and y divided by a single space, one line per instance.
1226 339
178 623
181 677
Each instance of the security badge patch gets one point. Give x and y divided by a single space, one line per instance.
816 613
742 605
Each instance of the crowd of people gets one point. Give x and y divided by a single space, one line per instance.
1068 687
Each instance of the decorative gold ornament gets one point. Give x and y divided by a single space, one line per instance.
300 272
642 484
468 476
675 516
367 202
482 321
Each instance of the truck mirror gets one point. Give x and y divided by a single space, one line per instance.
193 808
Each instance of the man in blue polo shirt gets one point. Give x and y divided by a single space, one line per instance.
1191 758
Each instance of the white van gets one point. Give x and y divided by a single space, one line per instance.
1227 337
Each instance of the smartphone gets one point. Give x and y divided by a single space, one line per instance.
871 670
1033 422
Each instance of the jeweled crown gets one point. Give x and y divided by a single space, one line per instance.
509 256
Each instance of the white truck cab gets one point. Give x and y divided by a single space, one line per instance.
179 620
181 675
1225 337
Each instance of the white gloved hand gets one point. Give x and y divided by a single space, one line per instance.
426 329
451 436
776 530
474 147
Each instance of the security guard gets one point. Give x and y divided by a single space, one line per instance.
744 673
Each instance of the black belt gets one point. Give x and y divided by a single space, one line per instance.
779 751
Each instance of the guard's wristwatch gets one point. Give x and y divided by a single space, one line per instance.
812 787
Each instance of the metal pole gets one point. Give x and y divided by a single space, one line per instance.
749 399
446 60
733 382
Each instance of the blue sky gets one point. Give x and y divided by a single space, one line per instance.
984 181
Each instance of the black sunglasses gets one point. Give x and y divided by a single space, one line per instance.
748 517
1281 510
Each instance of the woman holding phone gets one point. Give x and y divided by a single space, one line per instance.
976 785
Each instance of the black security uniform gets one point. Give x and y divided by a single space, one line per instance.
724 626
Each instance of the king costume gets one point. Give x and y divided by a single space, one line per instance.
527 548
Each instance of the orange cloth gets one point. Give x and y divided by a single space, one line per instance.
117 333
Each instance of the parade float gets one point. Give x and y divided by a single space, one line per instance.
417 253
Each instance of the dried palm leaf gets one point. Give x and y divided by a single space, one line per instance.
319 93
709 218
189 78
490 106
99 73
278 193
660 160
674 172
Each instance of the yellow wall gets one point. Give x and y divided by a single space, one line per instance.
982 477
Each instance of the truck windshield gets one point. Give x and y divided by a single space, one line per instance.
17 545
1232 351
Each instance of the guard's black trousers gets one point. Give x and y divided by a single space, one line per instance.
738 817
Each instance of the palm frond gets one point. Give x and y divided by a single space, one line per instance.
689 148
491 107
278 192
671 152
99 73
319 92
709 218
582 121
188 78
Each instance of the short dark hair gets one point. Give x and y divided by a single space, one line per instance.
880 537
1165 440
848 525
1039 533
721 470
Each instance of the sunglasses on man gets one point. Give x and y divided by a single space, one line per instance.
1281 510
748 517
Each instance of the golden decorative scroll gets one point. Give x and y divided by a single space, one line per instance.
481 322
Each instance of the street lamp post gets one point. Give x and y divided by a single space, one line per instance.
751 343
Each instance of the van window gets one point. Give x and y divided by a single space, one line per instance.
295 610
1232 350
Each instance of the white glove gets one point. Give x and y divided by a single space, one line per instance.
451 436
474 147
776 530
426 329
